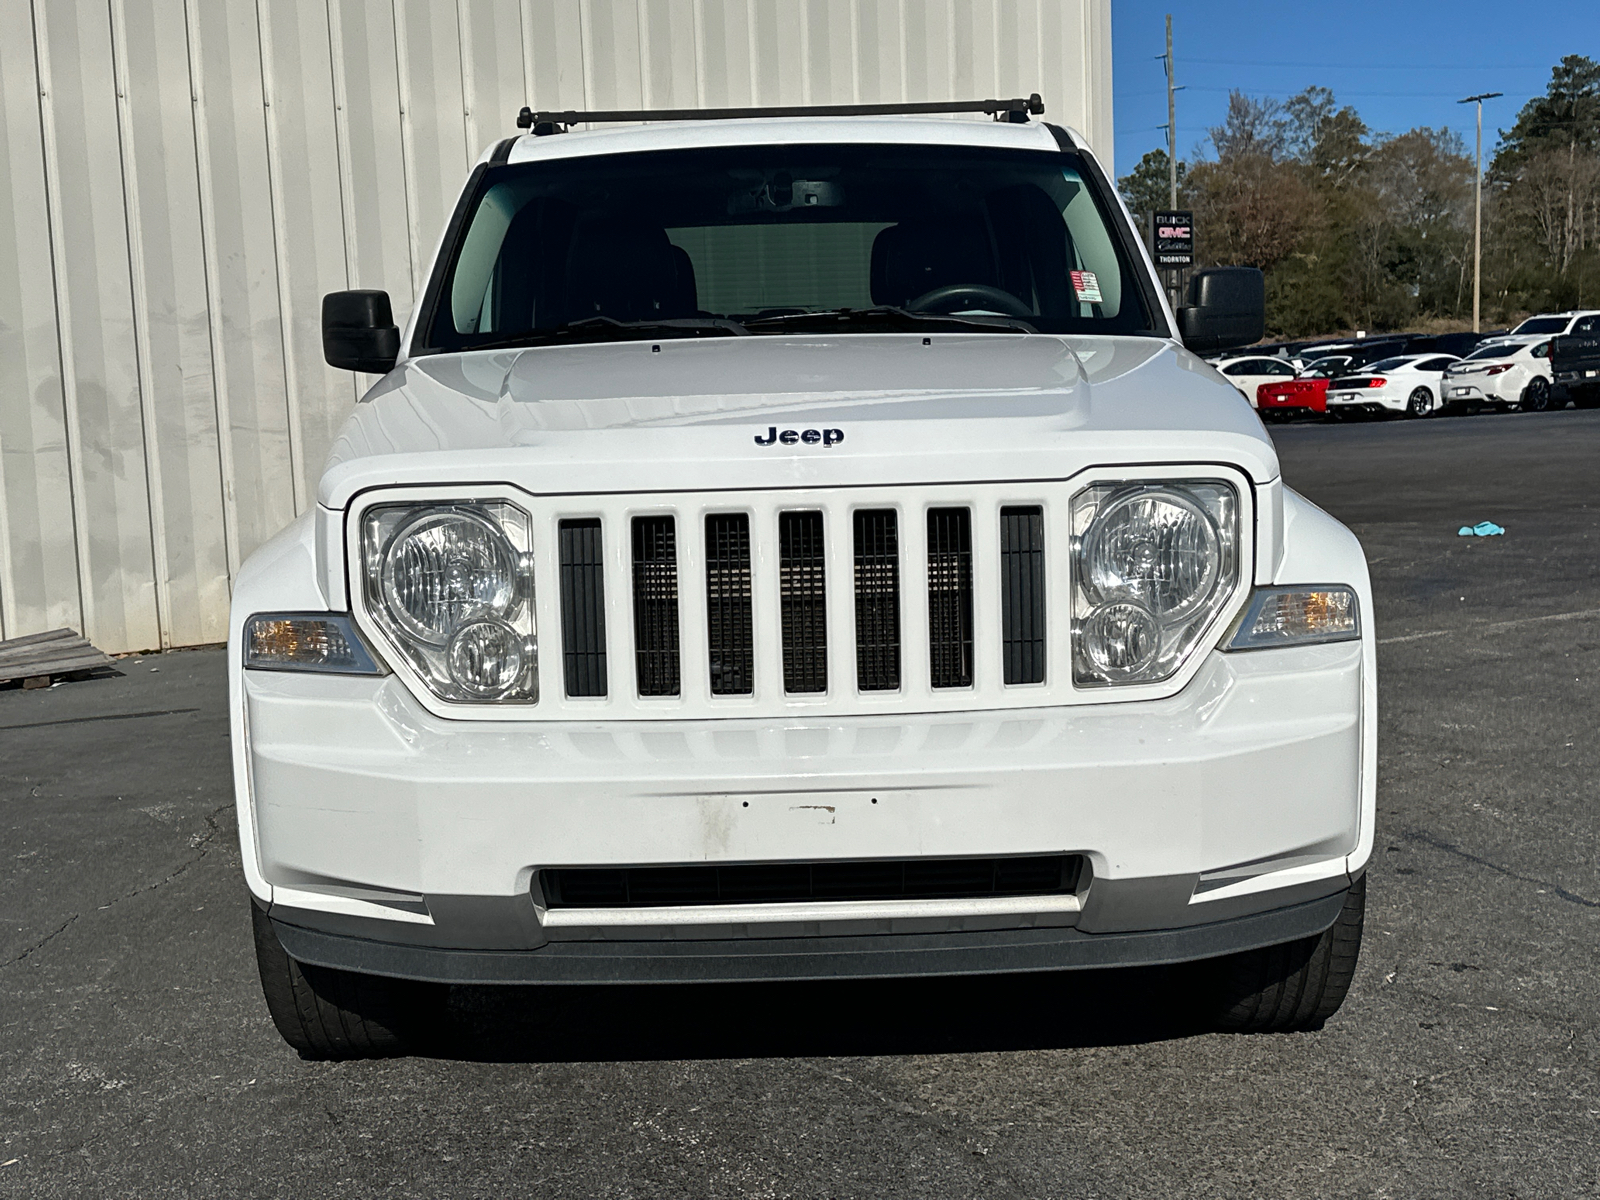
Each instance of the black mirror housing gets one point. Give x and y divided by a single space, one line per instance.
1227 307
358 332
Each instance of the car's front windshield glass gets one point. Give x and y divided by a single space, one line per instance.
729 240
1542 325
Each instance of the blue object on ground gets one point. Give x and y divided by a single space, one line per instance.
1481 529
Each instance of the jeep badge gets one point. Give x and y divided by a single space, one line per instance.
828 437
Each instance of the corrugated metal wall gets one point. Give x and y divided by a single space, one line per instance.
184 179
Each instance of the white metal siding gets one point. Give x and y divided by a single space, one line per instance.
182 180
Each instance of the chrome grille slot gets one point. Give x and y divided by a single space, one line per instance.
802 592
655 605
877 595
729 615
950 597
1022 614
583 607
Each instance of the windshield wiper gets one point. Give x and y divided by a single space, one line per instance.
609 329
886 316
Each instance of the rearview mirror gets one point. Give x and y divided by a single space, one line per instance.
1227 307
358 332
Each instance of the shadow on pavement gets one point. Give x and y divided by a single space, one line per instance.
1057 1010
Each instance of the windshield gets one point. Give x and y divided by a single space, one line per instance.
1541 325
729 240
1388 364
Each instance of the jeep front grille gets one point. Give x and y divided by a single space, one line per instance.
808 602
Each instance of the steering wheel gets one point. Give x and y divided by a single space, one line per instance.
953 297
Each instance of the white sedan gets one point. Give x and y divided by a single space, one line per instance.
1407 383
1248 374
1503 373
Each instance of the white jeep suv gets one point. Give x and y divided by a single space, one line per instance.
794 547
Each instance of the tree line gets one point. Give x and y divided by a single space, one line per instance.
1362 230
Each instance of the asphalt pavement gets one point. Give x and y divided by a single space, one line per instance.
137 1058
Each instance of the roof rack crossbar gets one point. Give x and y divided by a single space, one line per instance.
543 122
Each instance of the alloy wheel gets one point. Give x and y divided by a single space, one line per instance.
1420 404
1536 396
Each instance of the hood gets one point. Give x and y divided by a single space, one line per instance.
813 411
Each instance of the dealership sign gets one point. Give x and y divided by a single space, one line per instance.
1174 239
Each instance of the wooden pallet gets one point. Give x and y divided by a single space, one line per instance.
40 657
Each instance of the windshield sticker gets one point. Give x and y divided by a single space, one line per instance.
1087 287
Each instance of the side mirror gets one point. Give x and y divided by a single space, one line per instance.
358 332
1227 307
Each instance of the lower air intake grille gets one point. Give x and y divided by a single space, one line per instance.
877 561
775 883
802 596
1022 594
950 597
728 611
583 607
655 605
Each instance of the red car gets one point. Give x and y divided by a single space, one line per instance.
1286 397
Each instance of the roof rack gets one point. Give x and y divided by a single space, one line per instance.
1016 111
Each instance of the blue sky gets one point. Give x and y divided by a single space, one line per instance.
1401 63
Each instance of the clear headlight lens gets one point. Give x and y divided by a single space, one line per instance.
1153 565
452 585
323 643
1297 616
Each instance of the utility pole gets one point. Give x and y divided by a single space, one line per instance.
1477 208
1172 123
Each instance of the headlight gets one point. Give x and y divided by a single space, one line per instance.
452 586
1153 564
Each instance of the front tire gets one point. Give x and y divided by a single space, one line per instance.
1420 403
328 1014
1295 986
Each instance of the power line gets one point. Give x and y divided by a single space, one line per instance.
1366 66
1345 95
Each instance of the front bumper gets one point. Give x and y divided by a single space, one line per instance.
817 957
386 838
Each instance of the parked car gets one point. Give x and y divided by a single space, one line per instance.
1553 324
1408 384
799 549
1305 396
1575 361
1250 372
1511 372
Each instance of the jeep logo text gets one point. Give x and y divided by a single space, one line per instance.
828 437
